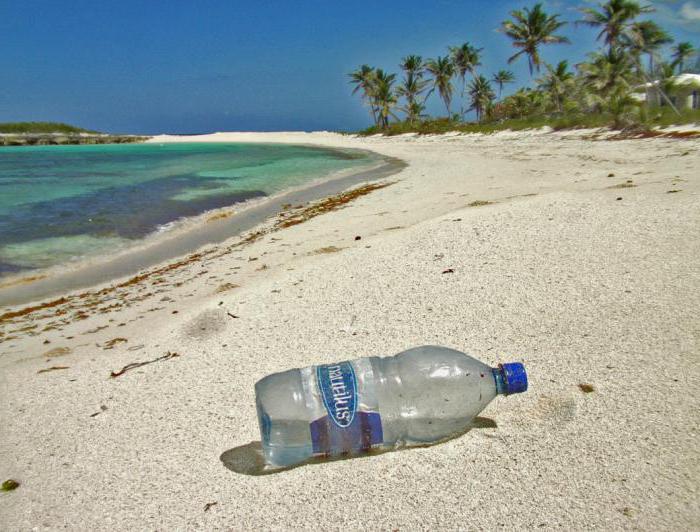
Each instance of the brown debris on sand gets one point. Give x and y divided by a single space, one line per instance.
135 365
52 368
327 205
109 344
225 287
84 304
57 352
326 249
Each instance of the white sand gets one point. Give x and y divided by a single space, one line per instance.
557 273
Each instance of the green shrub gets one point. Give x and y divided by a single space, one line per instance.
40 127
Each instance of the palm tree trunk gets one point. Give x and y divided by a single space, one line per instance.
368 100
376 111
447 106
373 109
664 96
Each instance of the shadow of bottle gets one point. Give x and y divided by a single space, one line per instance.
248 459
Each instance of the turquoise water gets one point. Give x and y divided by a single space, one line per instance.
62 203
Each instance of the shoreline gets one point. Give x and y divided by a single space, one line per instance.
572 255
185 235
67 139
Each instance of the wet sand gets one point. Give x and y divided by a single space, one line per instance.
209 228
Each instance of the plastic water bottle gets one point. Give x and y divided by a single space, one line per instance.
420 396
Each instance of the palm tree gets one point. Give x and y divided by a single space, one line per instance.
681 52
363 78
442 71
525 102
608 75
465 59
413 68
413 83
410 89
412 65
557 82
384 96
613 19
414 111
502 77
530 29
481 95
666 81
646 37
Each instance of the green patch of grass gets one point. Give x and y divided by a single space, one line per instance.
661 117
664 117
443 125
40 127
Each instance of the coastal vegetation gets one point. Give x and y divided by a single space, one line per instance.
56 133
41 127
625 84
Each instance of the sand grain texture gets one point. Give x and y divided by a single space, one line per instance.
585 289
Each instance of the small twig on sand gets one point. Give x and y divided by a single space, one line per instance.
52 368
232 315
209 505
135 365
103 408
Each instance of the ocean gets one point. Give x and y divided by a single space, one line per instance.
63 203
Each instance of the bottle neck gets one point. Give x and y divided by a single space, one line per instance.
500 379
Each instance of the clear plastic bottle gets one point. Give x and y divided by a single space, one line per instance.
419 396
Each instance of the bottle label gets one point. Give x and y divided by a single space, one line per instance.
338 386
345 415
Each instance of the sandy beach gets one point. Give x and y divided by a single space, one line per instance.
575 254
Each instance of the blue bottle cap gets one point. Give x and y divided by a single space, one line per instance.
514 376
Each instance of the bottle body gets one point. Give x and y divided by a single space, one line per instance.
420 396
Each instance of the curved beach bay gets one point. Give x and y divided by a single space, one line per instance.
75 216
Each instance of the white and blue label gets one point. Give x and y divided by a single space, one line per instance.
338 386
345 417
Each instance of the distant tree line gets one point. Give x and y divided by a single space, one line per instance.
40 127
602 84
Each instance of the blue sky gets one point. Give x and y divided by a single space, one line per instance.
194 66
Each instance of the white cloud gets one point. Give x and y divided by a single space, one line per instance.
690 12
683 14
